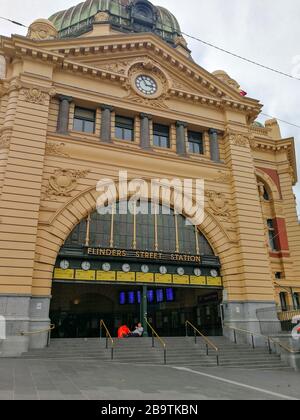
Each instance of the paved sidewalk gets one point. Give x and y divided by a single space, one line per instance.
93 380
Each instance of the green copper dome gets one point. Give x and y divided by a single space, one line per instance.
123 15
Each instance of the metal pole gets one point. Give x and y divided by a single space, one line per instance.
269 345
112 353
144 304
165 356
195 335
186 330
207 352
253 344
106 342
293 299
100 331
48 338
234 335
218 361
153 341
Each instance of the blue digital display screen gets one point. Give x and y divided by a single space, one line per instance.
122 299
150 296
153 296
159 295
170 295
131 298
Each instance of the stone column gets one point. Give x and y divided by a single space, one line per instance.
214 145
145 131
247 272
106 123
20 207
180 138
64 114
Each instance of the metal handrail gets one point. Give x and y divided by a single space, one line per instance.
266 337
108 337
208 342
47 330
155 334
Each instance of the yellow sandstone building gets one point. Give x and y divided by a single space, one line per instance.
111 86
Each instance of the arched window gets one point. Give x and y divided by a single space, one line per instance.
148 232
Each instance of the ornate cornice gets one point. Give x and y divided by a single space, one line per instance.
61 54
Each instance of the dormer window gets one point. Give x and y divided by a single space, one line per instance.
143 13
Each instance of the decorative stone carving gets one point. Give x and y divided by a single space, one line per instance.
223 178
2 67
225 78
261 190
119 68
179 40
240 139
158 103
15 84
101 17
42 30
56 149
292 174
63 182
219 204
5 141
253 144
36 96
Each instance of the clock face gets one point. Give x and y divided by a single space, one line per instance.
145 269
64 264
146 85
106 267
180 271
163 270
214 273
197 272
85 265
126 268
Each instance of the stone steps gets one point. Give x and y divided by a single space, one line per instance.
180 352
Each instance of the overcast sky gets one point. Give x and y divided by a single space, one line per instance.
266 31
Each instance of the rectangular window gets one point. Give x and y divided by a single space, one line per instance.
124 128
297 300
195 143
272 235
161 136
283 301
84 120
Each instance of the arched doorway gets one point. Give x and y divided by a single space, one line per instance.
112 260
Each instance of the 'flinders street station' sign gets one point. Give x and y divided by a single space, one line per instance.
143 255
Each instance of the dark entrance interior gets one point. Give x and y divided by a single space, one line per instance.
76 309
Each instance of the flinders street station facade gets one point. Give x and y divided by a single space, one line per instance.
111 86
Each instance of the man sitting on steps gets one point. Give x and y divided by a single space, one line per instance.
138 332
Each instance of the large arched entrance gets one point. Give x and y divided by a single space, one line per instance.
120 267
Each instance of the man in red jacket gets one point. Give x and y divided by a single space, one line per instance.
123 331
